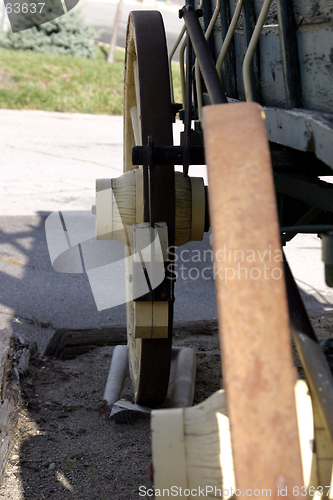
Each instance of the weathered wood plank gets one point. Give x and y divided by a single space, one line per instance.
7 425
69 343
8 397
5 364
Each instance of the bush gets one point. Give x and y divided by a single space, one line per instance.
68 34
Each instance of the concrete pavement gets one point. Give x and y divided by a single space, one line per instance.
47 161
50 159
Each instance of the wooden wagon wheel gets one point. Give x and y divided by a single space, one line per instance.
147 112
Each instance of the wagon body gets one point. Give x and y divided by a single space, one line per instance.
291 69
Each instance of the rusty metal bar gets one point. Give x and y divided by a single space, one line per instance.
197 66
206 63
258 371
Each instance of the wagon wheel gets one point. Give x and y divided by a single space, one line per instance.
147 112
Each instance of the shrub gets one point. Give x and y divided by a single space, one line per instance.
68 34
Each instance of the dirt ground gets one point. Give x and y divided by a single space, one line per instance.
67 447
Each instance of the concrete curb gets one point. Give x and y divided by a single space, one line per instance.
181 383
117 374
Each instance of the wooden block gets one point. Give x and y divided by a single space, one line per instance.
169 454
208 447
104 209
197 443
151 320
191 448
143 316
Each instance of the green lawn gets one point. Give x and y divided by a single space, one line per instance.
32 80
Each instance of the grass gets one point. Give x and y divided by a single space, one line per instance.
61 83
32 80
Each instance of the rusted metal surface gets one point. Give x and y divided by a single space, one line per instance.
257 365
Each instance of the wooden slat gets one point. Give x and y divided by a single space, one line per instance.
252 308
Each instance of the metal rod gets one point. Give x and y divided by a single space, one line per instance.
188 107
250 50
228 37
168 155
206 63
179 39
182 69
181 60
317 371
197 67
